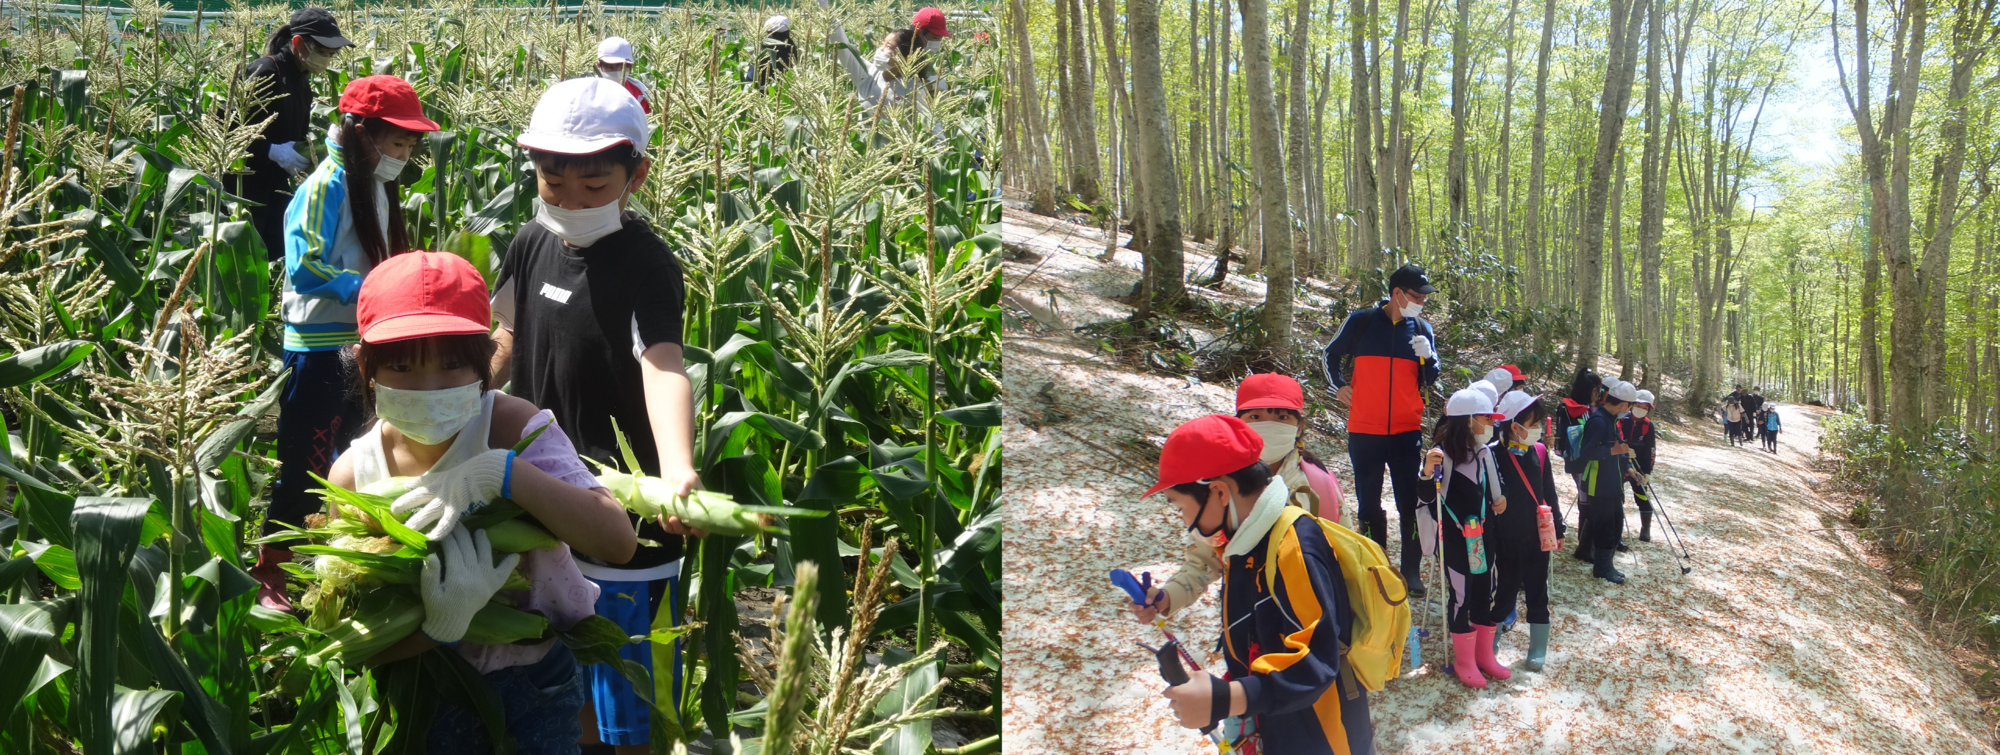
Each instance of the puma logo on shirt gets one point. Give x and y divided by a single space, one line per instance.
560 296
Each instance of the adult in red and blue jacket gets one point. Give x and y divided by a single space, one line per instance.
1395 360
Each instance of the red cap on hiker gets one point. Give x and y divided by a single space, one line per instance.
1206 448
1515 371
1270 390
420 294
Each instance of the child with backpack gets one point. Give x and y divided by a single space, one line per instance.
1638 431
1732 422
1517 537
1584 391
1772 426
1273 406
1294 680
1466 497
1599 462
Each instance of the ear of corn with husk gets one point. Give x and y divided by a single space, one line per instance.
367 564
707 510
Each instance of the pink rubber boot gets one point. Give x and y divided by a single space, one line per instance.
1464 661
1482 648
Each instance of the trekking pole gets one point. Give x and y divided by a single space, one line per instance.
1660 505
1169 655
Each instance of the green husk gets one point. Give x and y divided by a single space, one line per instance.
518 536
706 510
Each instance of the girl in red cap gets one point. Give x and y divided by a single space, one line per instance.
1282 642
1274 405
424 366
1469 490
344 220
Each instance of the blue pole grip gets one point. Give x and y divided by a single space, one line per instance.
1130 584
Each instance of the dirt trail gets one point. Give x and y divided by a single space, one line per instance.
1782 639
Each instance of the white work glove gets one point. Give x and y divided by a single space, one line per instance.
458 584
288 157
1422 346
444 496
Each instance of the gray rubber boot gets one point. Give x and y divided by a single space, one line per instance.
1538 647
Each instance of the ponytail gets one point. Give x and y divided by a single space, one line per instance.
358 158
281 38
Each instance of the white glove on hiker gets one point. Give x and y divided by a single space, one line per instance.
1422 346
455 587
288 157
447 495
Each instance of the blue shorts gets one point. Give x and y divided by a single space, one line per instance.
623 718
540 702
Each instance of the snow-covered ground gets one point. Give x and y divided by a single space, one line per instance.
1782 639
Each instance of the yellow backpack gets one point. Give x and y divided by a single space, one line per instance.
1375 593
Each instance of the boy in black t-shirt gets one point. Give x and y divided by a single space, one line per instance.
589 303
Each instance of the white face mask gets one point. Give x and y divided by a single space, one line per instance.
316 60
614 74
580 228
1533 436
1483 436
1640 413
934 45
388 168
1412 309
428 417
1279 440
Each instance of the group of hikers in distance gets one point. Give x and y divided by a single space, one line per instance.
1745 415
395 358
1316 617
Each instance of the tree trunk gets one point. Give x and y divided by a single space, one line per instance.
1281 266
1503 185
1537 159
1363 193
1623 30
1269 168
1621 283
1970 30
1083 100
1037 163
1461 74
1652 206
1164 277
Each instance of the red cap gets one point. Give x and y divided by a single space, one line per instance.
1206 448
1515 371
1270 390
931 20
388 98
419 294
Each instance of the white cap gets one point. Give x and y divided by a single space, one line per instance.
1471 401
586 115
777 24
1512 403
1502 380
1621 391
1645 397
614 50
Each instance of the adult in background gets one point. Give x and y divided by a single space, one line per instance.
304 46
614 62
893 82
777 57
1394 357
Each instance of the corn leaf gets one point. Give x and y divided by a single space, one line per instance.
377 508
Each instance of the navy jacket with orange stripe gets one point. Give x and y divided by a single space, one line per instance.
1286 650
1388 379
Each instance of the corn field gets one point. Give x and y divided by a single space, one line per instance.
842 338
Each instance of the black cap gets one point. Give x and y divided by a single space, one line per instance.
1411 278
319 25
